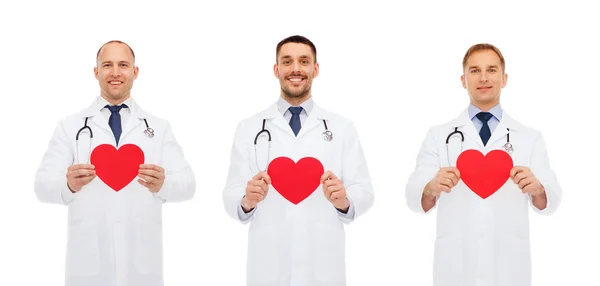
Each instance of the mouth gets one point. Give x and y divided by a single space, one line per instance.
484 88
115 82
296 80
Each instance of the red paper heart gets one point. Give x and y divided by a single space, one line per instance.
484 175
117 168
295 181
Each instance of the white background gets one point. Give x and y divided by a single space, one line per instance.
394 70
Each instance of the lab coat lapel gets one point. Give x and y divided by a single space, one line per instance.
464 124
504 127
274 115
135 118
96 116
316 117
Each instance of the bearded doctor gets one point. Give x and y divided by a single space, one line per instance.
114 165
483 171
297 175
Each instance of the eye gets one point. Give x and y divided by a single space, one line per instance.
286 62
492 70
474 71
304 62
106 65
124 65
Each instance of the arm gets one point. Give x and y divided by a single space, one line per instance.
50 180
237 179
356 178
180 183
426 168
551 196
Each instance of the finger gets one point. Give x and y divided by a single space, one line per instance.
257 189
256 197
148 179
152 167
518 177
445 184
328 183
83 181
80 166
448 182
335 188
515 170
453 170
338 195
325 176
452 178
153 173
82 173
445 189
525 182
143 183
332 176
262 176
263 185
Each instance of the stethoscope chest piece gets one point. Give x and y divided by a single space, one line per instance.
149 132
508 147
327 136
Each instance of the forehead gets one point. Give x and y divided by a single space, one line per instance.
115 52
483 58
295 50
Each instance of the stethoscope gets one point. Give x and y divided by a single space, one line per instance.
327 136
149 132
508 147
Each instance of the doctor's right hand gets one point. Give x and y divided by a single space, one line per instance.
79 175
444 181
256 191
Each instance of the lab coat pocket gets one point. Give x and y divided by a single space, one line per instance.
264 250
329 259
83 254
147 247
448 261
513 264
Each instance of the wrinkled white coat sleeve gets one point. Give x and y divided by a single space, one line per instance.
237 178
51 178
540 167
426 168
355 176
180 183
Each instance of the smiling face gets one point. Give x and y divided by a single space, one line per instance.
115 72
484 78
295 68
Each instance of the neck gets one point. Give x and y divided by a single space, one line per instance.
295 101
485 106
113 101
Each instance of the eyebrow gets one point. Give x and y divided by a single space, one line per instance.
302 57
476 67
120 62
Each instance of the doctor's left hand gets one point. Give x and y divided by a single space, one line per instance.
527 182
335 192
151 176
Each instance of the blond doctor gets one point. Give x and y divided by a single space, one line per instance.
301 243
483 242
114 238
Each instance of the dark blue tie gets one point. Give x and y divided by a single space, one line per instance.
485 132
295 121
114 121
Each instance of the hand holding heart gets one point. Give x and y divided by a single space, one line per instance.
80 175
151 176
334 190
444 181
527 182
256 191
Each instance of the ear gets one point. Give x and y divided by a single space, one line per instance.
276 70
504 80
96 72
316 70
464 83
136 70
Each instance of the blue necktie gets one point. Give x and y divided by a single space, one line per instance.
295 121
485 132
114 121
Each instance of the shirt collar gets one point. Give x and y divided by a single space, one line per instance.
496 111
283 105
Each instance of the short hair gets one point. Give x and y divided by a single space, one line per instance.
296 39
483 47
115 41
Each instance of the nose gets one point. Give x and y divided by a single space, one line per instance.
115 71
296 66
483 76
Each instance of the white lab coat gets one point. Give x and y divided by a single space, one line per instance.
304 244
483 242
114 238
